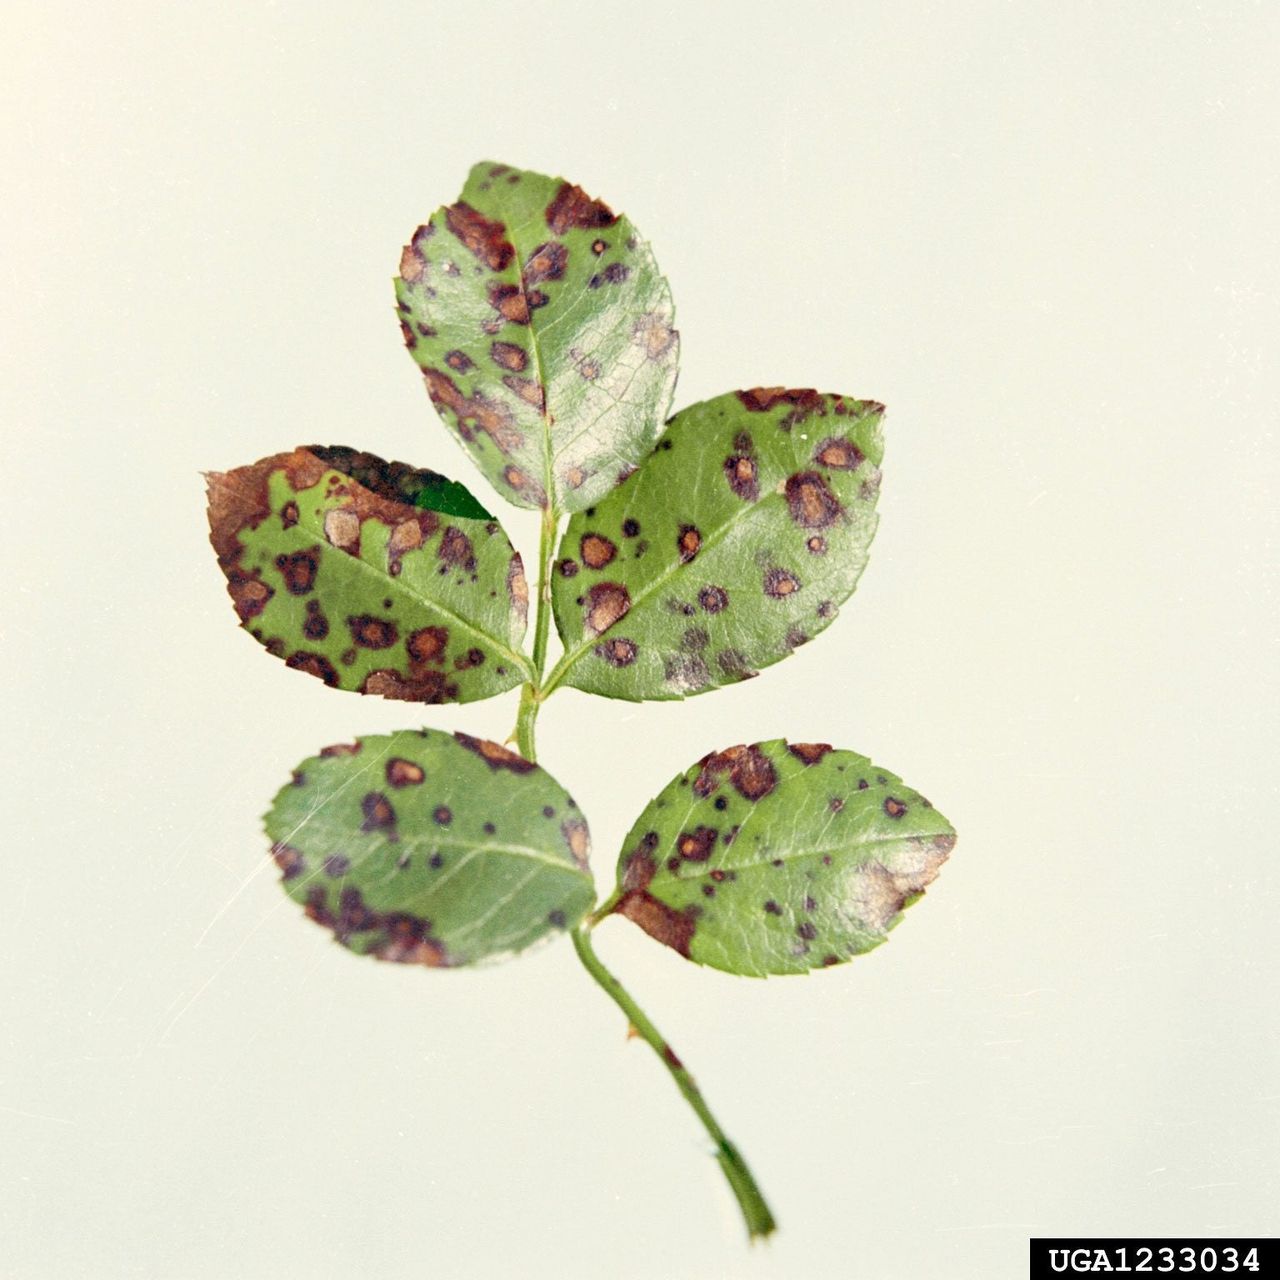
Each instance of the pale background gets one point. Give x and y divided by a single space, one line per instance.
1044 235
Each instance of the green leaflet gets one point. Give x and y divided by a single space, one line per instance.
544 332
736 541
778 858
431 848
333 568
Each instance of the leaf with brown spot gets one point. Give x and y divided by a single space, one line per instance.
387 847
745 526
823 852
595 367
349 587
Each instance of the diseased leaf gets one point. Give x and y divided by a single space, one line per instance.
333 568
544 331
735 542
779 858
431 848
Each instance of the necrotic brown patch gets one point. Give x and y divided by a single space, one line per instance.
618 652
688 542
459 361
475 412
508 356
750 771
288 515
482 236
495 756
338 750
299 570
894 808
369 632
779 583
838 455
428 687
518 587
743 476
404 773
427 644
511 302
696 845
456 549
572 207
547 262
596 550
314 664
762 399
607 602
659 921
809 752
810 501
248 593
378 814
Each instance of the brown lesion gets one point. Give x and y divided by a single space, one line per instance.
428 687
618 652
894 807
370 632
518 587
811 502
882 889
607 603
290 860
596 550
474 413
405 938
713 599
697 845
688 542
654 334
838 455
579 841
511 302
743 475
780 583
528 389
547 262
456 549
809 752
378 814
427 644
571 207
315 626
248 593
495 755
762 399
404 773
482 236
314 664
338 750
658 920
749 770
524 484
506 355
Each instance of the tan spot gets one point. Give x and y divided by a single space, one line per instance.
428 644
404 773
779 583
838 455
750 771
579 842
811 502
342 528
494 754
688 542
509 356
809 752
596 550
743 476
654 334
571 207
485 238
607 602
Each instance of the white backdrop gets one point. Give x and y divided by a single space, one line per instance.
1044 236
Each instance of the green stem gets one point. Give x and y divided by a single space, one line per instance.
755 1210
542 618
750 1199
